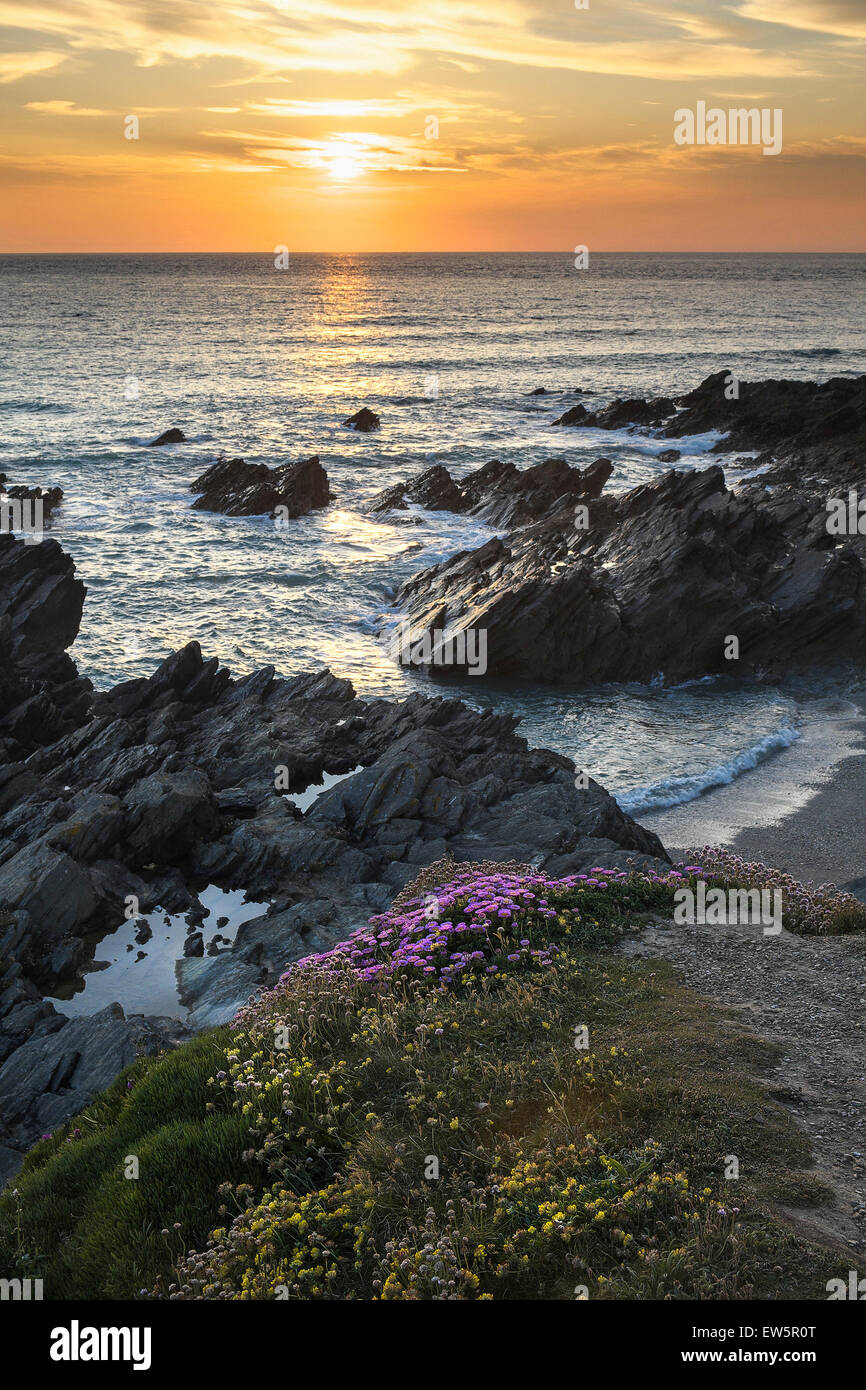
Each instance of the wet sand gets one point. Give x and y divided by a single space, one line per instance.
803 811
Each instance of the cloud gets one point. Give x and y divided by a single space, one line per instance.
392 36
14 66
845 18
368 151
63 108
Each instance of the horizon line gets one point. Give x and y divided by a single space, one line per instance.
566 251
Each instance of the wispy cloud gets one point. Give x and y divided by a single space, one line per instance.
63 108
14 66
845 18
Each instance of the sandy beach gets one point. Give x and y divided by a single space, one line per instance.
801 811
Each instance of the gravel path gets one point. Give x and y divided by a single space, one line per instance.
808 994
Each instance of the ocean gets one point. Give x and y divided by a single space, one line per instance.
102 353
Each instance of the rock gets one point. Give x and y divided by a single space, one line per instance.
165 814
52 1077
658 581
777 415
435 489
49 497
575 415
252 489
435 775
620 414
172 436
66 958
42 697
213 988
628 414
782 416
194 944
669 456
363 420
499 492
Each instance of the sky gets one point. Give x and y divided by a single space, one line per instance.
426 125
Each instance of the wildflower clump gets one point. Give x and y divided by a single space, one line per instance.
486 923
807 910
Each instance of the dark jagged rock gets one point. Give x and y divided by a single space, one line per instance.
657 583
576 415
624 414
773 415
620 414
669 456
42 695
252 489
435 490
499 492
154 762
776 415
172 436
61 1064
49 497
363 420
667 572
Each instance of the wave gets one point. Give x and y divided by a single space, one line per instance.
674 791
810 352
37 407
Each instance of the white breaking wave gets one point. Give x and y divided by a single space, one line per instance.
673 791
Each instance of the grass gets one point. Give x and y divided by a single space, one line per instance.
370 1131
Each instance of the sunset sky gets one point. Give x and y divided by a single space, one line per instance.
425 125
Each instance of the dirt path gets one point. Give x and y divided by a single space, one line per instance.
807 994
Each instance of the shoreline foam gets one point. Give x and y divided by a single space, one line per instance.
800 810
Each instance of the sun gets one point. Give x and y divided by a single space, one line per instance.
344 167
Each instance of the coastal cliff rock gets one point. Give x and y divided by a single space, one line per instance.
775 415
42 695
236 488
500 493
659 579
180 770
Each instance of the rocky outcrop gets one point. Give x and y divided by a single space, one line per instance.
619 414
172 436
500 493
663 576
779 416
575 415
177 772
363 421
252 489
776 415
42 696
660 580
49 497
